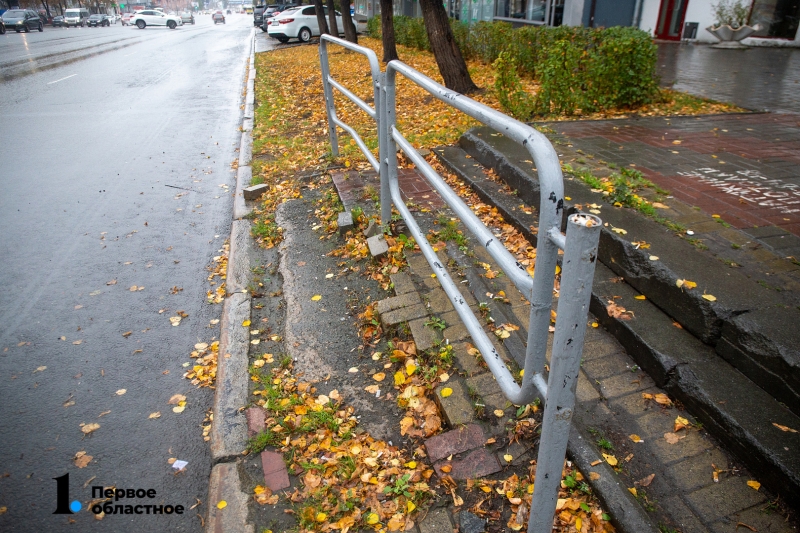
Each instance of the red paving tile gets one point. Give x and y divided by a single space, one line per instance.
454 441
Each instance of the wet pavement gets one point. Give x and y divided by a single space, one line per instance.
758 79
741 167
112 208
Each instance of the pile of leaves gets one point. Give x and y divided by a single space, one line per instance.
264 229
219 269
350 480
204 369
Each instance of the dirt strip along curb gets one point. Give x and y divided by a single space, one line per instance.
733 408
229 427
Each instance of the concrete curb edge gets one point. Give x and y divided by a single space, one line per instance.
229 428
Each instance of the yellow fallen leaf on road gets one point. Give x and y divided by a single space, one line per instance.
372 389
410 368
447 391
179 408
222 504
755 485
710 298
316 298
176 399
157 414
610 459
594 476
499 413
88 428
77 342
40 369
620 231
632 490
120 392
81 460
328 276
635 438
373 518
640 297
685 284
680 423
321 517
673 438
399 378
353 370
508 457
784 428
175 320
380 376
653 258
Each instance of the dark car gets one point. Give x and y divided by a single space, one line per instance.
228 12
98 19
272 10
218 17
22 20
258 14
58 21
2 27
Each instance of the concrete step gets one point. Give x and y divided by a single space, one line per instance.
735 409
735 323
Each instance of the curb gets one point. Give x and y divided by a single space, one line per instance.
229 428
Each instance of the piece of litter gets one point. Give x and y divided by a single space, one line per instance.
179 465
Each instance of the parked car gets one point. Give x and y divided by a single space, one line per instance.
58 21
228 12
151 17
2 27
187 18
97 20
76 16
258 14
218 17
126 19
298 23
22 20
112 19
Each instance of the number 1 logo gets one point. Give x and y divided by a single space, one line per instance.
63 505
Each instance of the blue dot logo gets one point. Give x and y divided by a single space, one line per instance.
75 506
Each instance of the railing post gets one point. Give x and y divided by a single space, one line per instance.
580 255
383 134
329 105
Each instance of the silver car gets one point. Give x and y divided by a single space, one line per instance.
187 18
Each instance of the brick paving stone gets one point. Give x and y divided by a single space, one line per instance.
692 444
438 301
255 420
682 517
455 330
437 521
471 523
730 495
466 362
605 367
633 404
456 408
483 384
696 472
403 284
477 463
585 392
377 246
755 517
405 314
457 440
624 384
424 337
398 302
276 477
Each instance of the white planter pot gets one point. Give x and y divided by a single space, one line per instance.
729 37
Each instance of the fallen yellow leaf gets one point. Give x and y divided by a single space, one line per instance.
120 392
680 423
499 413
222 504
610 459
316 298
755 485
447 391
380 376
88 428
640 297
710 298
508 457
157 414
784 428
632 490
246 323
635 438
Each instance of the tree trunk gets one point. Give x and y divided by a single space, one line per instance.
387 32
334 28
445 49
46 10
320 11
347 21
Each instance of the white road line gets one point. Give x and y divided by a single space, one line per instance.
62 79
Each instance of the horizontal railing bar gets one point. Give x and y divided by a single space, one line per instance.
366 151
513 269
557 238
532 385
355 99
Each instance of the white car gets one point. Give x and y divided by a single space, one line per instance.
112 19
299 23
151 17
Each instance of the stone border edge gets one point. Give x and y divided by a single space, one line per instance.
224 481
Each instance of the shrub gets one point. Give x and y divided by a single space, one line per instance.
510 93
578 69
374 27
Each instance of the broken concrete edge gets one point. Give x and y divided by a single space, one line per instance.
244 175
238 272
229 429
224 485
626 513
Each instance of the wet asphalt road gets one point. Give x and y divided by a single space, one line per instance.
89 147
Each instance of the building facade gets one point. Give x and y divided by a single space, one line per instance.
663 19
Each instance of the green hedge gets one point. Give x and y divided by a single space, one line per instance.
576 68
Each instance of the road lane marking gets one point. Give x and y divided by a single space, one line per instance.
62 79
